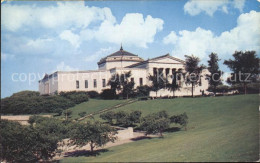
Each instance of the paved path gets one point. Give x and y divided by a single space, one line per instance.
73 150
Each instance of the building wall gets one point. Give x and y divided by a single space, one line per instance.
67 81
49 85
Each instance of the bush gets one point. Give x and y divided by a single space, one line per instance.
155 123
108 116
30 102
108 94
76 97
181 119
82 114
143 91
93 94
29 144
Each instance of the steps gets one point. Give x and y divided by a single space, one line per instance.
108 109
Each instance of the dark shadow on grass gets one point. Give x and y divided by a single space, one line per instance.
173 129
86 153
141 138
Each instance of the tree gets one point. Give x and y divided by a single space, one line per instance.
135 116
181 119
173 85
27 143
194 70
122 118
94 133
155 123
245 67
215 73
121 82
157 82
109 116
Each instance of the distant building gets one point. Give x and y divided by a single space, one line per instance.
120 62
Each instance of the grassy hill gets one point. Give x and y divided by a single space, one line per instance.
93 105
220 129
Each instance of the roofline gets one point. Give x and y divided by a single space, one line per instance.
148 60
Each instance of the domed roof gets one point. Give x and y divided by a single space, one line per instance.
121 55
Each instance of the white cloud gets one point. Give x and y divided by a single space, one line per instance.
5 56
133 30
201 42
99 54
63 67
195 7
71 37
63 15
87 23
171 38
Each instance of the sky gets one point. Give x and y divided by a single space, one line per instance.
47 36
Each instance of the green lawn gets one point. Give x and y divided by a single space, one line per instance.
93 105
220 129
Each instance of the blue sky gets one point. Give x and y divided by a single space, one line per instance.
42 37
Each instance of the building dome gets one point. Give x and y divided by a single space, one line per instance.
119 58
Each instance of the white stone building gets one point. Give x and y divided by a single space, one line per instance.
120 62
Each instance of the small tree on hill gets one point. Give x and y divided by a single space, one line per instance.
96 134
215 74
108 116
194 70
155 123
181 119
245 67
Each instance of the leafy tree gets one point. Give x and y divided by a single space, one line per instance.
135 116
173 85
25 143
122 118
155 123
215 74
194 70
181 119
82 114
245 67
120 82
157 82
94 133
109 116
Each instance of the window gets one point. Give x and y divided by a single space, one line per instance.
104 82
132 80
77 84
141 81
95 83
86 83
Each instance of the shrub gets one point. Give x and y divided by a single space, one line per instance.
76 97
143 91
30 102
108 116
93 94
181 119
155 123
108 94
82 114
